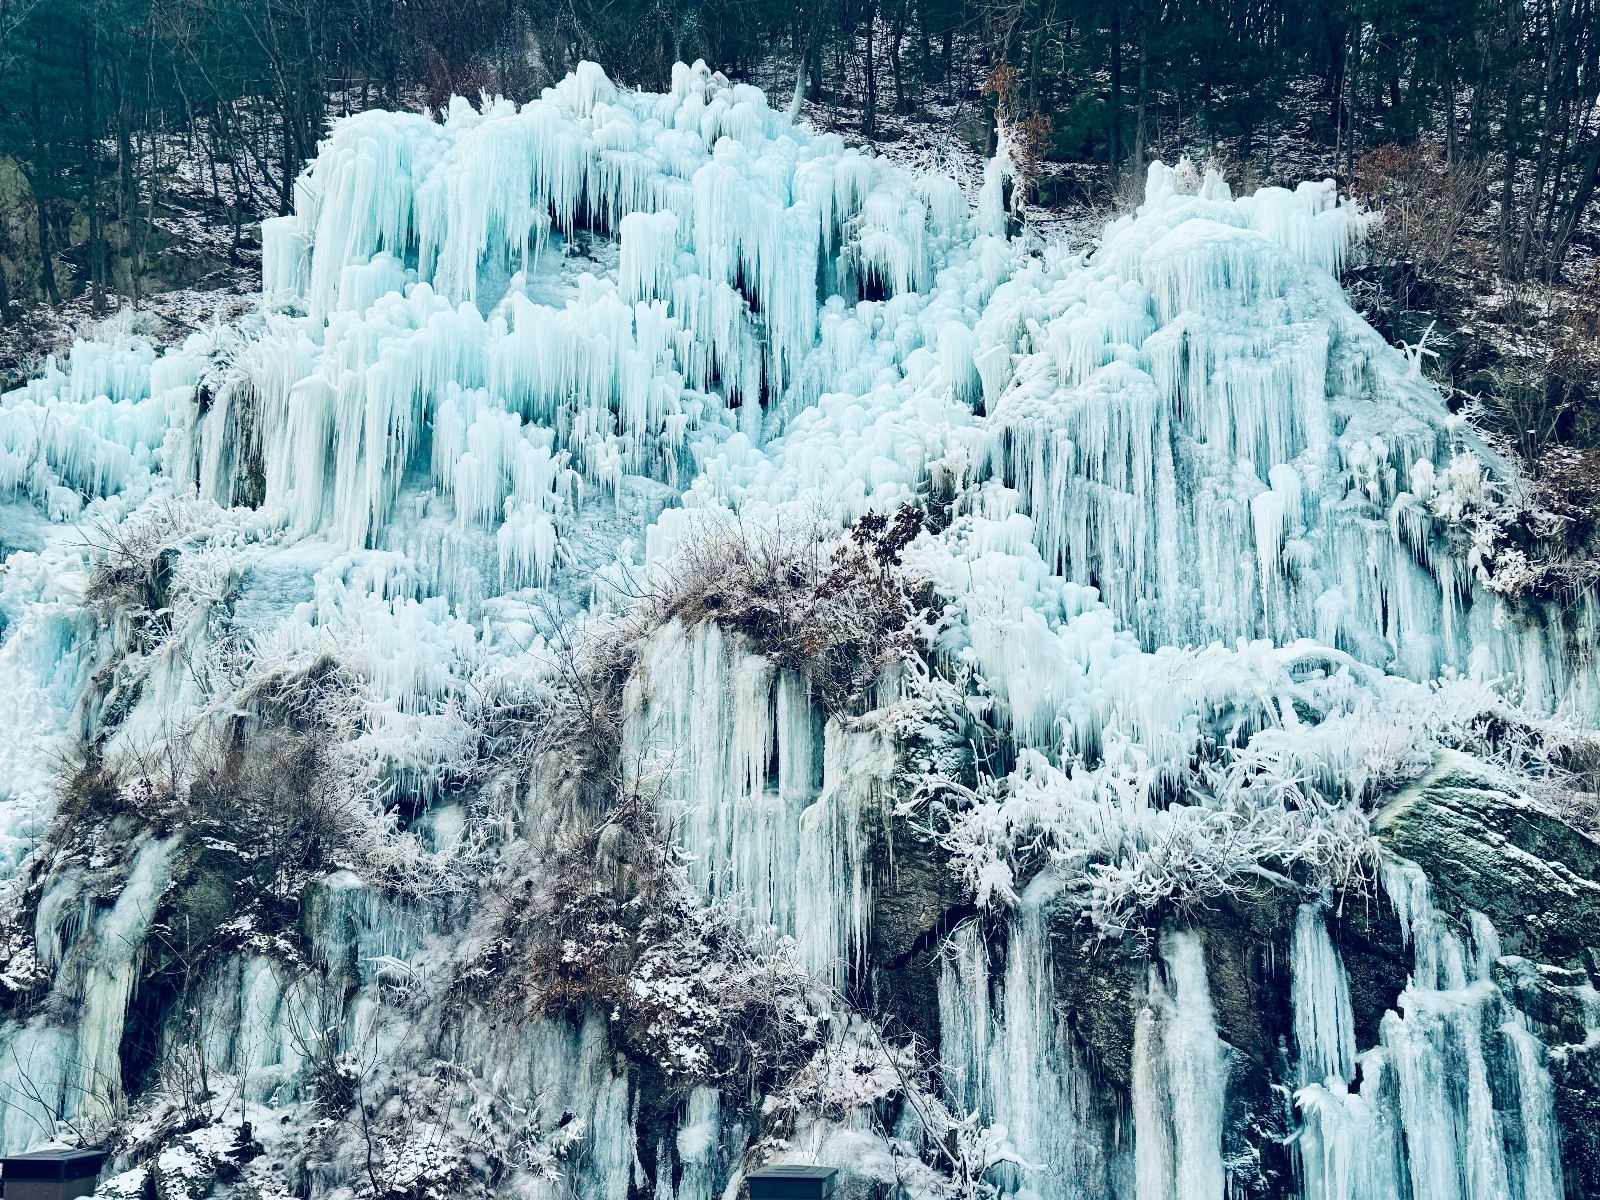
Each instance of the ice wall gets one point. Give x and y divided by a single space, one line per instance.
1185 498
1455 1101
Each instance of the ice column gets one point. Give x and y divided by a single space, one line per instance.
1349 1143
1457 1053
697 1145
1324 1026
834 898
118 950
1043 1094
1180 1080
1014 1061
710 720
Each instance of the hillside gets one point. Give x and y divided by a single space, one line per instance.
661 643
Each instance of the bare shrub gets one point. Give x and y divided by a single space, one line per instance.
605 917
133 557
1026 135
1554 761
1426 200
565 730
840 615
1549 403
1206 855
269 784
1568 487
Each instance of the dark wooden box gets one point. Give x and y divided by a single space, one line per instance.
791 1183
50 1174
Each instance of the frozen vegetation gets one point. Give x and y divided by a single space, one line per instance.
669 644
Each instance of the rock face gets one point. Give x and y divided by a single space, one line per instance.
1507 856
915 905
1489 850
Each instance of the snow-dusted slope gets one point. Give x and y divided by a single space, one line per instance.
1195 582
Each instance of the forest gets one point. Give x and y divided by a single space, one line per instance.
104 97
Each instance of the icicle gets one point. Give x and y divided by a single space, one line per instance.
1349 1144
697 1145
957 345
649 247
1324 1026
285 257
1180 1081
1540 1165
964 1018
1152 1147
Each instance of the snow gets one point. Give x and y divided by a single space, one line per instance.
1199 514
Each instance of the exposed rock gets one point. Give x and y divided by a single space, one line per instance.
1248 972
916 901
1504 855
1550 997
1098 985
1575 1071
1377 961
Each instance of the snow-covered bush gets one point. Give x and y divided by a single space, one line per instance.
837 609
605 916
133 557
1288 808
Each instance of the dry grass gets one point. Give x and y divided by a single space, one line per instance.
1427 202
133 558
837 613
269 783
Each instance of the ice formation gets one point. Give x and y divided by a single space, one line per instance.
1426 1115
512 359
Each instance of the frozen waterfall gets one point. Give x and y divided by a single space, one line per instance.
1183 506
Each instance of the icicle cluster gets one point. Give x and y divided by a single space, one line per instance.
1187 498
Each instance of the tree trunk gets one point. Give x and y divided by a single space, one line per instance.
1116 91
896 36
286 191
924 50
1352 75
1509 180
127 197
1142 99
1450 151
870 126
47 270
1580 201
1475 141
91 162
1553 109
1337 57
1512 131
